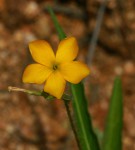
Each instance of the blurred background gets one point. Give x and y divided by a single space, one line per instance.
105 31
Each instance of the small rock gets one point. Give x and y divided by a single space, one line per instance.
31 10
118 70
129 68
42 27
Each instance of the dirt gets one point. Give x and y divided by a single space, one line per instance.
33 123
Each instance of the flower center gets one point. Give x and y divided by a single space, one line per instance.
55 67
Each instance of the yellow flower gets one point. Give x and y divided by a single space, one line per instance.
53 69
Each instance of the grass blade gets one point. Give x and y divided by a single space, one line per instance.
60 31
113 133
85 131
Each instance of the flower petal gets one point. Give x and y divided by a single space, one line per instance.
55 85
67 50
74 71
42 52
36 73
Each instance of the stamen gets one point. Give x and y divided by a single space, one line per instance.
55 67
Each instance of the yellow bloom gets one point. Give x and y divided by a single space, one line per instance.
53 69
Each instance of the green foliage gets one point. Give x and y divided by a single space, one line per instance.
88 139
60 31
113 132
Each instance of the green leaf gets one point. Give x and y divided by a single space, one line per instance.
60 31
113 132
85 130
85 133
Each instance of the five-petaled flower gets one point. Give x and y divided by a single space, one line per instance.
53 69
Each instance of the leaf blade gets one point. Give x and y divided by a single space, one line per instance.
83 121
113 132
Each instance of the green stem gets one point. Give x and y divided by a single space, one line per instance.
72 122
36 93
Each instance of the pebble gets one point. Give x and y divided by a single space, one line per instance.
31 10
129 68
118 70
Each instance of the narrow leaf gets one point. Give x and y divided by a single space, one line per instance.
85 133
60 31
113 132
85 130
